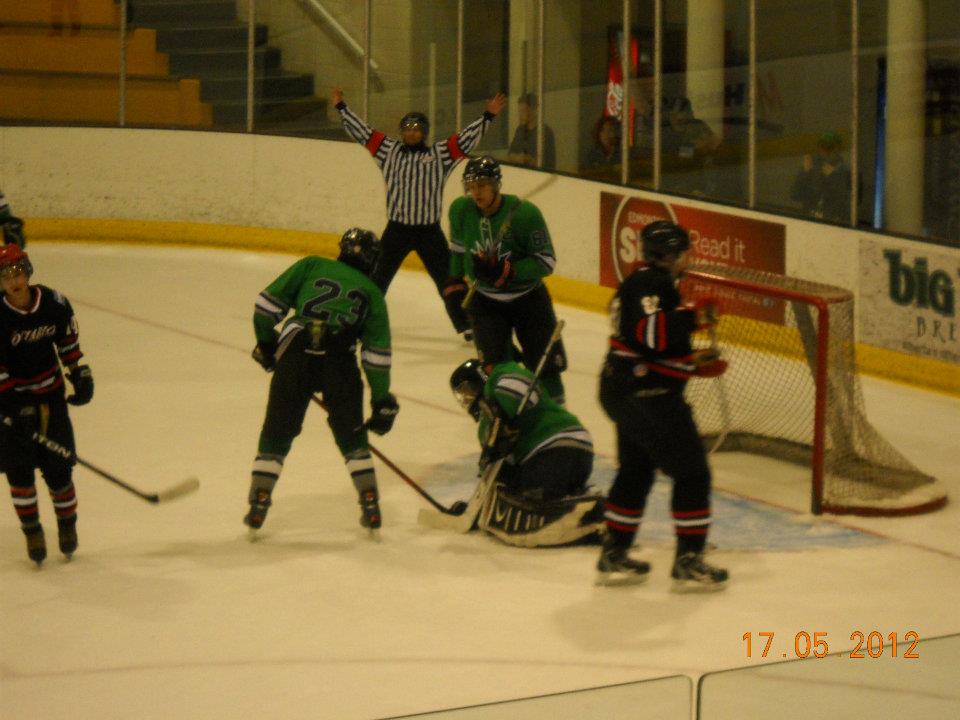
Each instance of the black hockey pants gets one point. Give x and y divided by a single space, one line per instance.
532 317
297 377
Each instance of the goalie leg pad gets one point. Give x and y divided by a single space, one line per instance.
518 521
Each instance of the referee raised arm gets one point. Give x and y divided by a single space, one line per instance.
415 173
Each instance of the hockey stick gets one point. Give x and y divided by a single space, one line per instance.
472 290
183 488
487 485
722 392
455 509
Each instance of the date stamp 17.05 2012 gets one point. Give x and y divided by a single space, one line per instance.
869 644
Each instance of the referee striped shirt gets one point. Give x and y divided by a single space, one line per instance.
414 176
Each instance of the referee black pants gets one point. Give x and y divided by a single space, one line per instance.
430 244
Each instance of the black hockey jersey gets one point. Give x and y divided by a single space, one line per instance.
33 344
651 331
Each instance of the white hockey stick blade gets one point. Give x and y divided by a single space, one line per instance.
179 490
441 521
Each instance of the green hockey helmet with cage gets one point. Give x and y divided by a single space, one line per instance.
13 259
482 168
359 249
663 239
467 383
415 120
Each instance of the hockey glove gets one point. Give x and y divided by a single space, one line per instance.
708 363
81 377
13 231
494 271
265 354
706 312
384 413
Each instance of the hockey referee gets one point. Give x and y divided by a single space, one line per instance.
415 173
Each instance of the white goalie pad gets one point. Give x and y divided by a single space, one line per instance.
516 521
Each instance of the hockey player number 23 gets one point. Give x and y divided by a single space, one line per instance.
330 292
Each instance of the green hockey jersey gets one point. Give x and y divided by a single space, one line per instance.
339 304
516 231
543 423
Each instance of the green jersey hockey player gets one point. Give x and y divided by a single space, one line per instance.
335 305
548 457
501 243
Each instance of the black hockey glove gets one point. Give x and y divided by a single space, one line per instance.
81 377
507 438
384 413
494 271
13 231
265 354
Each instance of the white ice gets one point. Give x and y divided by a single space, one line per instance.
169 611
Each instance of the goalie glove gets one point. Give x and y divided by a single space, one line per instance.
705 311
494 271
708 363
265 354
384 414
81 377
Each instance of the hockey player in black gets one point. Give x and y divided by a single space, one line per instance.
650 359
541 495
334 304
38 334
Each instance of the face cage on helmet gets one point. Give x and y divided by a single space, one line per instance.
11 269
467 394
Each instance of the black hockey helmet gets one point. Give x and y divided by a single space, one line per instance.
663 239
482 168
415 120
13 259
360 249
467 384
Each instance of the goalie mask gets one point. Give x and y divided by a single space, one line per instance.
467 384
13 260
663 240
482 169
359 249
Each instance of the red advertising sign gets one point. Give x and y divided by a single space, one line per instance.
717 238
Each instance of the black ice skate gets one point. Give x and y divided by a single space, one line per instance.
36 544
370 512
691 573
259 504
615 567
67 535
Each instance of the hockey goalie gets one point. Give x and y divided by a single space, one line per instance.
545 456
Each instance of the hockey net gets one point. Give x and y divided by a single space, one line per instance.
792 392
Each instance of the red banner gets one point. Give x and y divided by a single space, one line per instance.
717 238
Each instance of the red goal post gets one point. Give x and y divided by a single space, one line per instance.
792 392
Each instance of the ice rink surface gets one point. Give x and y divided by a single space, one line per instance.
169 611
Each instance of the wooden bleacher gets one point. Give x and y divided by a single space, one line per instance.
60 62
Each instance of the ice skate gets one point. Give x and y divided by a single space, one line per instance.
691 573
259 504
36 544
370 513
67 536
615 567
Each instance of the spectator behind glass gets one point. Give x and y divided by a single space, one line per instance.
603 159
688 147
523 147
823 184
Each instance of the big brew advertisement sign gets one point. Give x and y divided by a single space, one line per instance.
908 299
717 238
